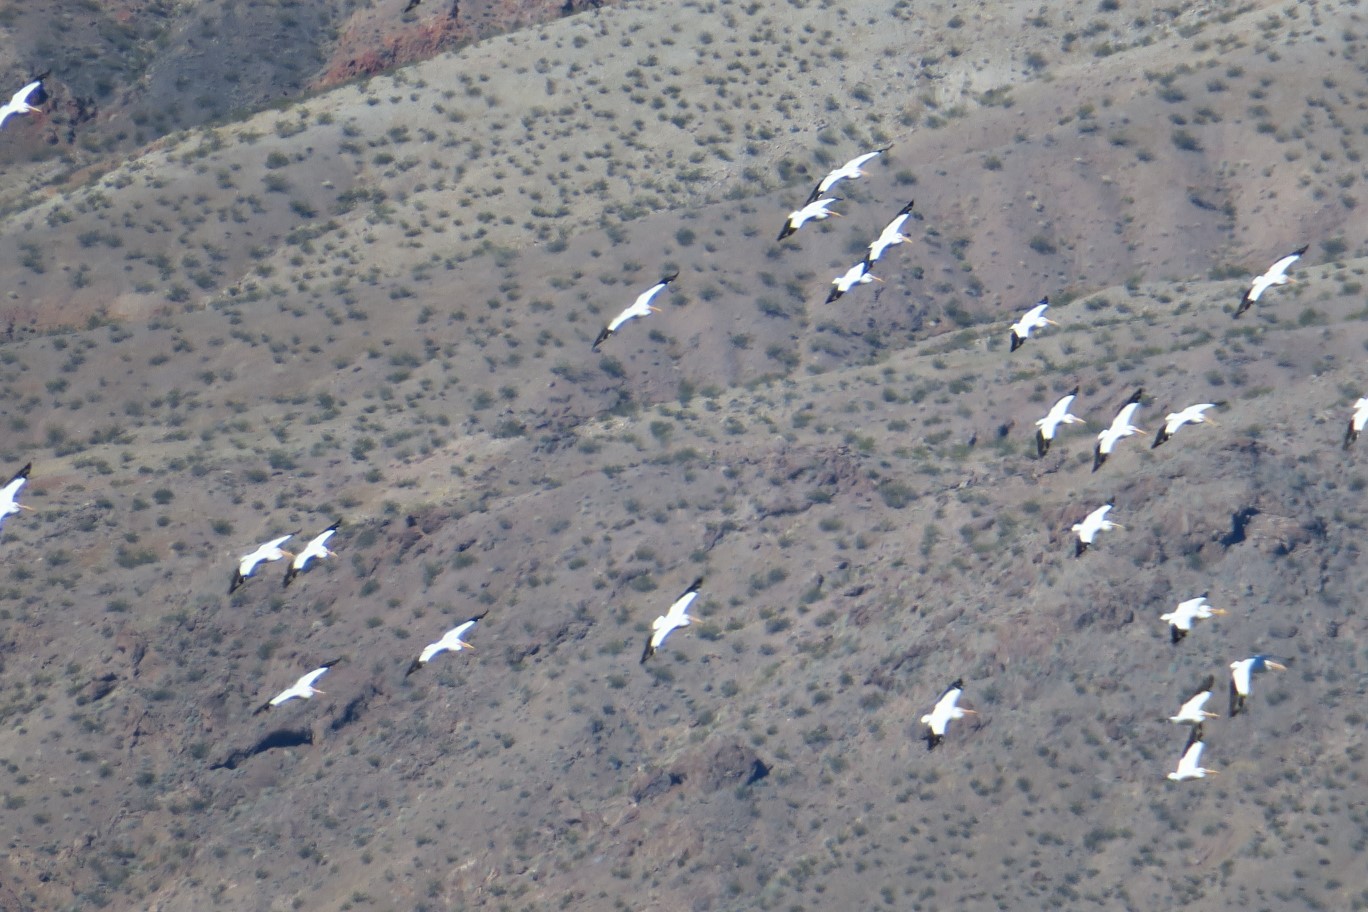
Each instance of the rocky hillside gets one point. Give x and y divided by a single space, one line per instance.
377 304
125 73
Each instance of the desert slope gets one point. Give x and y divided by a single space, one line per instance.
377 304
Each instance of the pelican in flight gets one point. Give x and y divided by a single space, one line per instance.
1356 423
1094 522
1188 767
677 616
1193 414
247 564
451 641
9 493
891 234
316 548
944 712
1276 275
19 102
1191 712
1240 674
858 274
303 688
851 169
815 209
641 307
1181 618
1032 319
1057 415
1120 427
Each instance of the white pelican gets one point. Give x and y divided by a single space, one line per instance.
1188 767
858 274
450 642
1094 522
1032 319
1190 415
1240 674
247 564
1057 415
1191 712
1276 275
18 103
8 503
891 234
944 712
641 307
1356 423
677 616
1181 618
303 688
316 548
816 209
1120 427
851 169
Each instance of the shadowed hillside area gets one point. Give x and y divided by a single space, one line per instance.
375 301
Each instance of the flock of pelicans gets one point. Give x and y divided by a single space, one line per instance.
1181 619
818 208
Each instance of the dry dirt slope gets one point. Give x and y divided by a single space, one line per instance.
125 73
856 486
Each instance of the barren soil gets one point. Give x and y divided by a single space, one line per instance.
377 303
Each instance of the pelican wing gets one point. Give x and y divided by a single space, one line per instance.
21 97
621 318
1279 269
308 680
859 160
644 299
18 478
1123 418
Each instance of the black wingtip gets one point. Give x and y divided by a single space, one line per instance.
290 574
1016 341
788 229
22 473
1079 548
1245 302
1042 445
262 708
238 580
1099 457
1175 634
933 739
1207 683
694 586
1136 396
648 651
1159 437
1301 251
414 667
834 295
602 337
1074 391
1350 436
